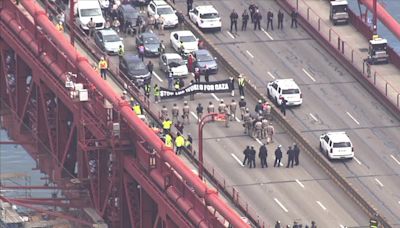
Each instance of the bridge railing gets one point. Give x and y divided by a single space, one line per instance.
354 56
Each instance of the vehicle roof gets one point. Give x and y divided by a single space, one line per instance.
202 52
172 56
207 8
339 2
378 41
108 32
159 2
88 4
338 136
288 83
148 34
131 58
185 33
127 7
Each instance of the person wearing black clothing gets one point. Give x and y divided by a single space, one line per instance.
189 5
181 19
283 106
270 17
242 106
296 150
199 111
252 158
245 19
150 67
207 74
258 109
278 224
278 156
262 154
290 154
257 20
232 86
234 17
294 15
246 153
280 19
252 9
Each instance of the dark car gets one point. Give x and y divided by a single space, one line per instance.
133 67
151 43
140 2
127 15
203 59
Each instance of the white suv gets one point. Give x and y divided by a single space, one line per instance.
206 17
285 89
336 145
159 8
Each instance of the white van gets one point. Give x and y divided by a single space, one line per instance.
86 9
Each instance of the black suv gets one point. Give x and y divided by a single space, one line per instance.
133 67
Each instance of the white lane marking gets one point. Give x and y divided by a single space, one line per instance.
237 159
394 158
195 116
281 205
266 33
354 119
321 205
358 161
380 183
249 53
237 119
312 116
259 141
230 34
215 97
301 184
158 77
309 75
270 74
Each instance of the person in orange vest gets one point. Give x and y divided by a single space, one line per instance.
60 27
103 66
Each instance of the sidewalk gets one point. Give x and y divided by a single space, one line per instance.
354 46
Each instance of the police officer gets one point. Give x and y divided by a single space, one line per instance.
294 15
234 17
175 112
283 106
199 111
227 116
179 126
278 224
296 151
207 73
257 129
246 153
267 111
185 111
262 154
232 108
313 224
258 107
245 19
221 107
241 85
257 20
147 89
252 9
264 123
189 5
290 154
280 19
167 126
179 143
156 92
270 17
270 133
210 107
150 67
247 123
252 158
164 113
278 156
242 106
121 52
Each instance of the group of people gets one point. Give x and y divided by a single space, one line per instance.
255 17
295 225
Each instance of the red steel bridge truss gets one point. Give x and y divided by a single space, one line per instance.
121 167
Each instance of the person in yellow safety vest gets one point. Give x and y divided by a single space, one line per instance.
137 109
156 90
179 143
168 141
176 85
167 124
147 89
103 66
188 142
121 52
60 27
241 85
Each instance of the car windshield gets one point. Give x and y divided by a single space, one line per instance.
165 10
290 91
111 38
90 12
341 144
188 39
136 66
151 40
178 62
204 58
209 16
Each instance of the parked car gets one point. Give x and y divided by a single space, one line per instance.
133 67
159 8
140 2
151 43
336 145
188 40
206 17
204 58
174 62
108 40
84 10
285 89
127 14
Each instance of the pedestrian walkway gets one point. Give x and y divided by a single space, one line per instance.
385 77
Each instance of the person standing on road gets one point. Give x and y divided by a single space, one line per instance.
278 224
246 153
232 86
210 108
103 66
232 108
262 154
270 18
179 143
294 15
252 9
197 75
241 85
280 19
167 124
278 156
156 92
175 112
290 154
190 61
221 107
199 111
147 90
164 113
181 19
257 129
141 51
150 67
283 106
242 106
234 17
179 127
257 20
252 158
245 19
270 133
170 79
264 125
207 73
92 27
296 150
185 112
121 52
189 4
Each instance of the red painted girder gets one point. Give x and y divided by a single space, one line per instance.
133 121
385 17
